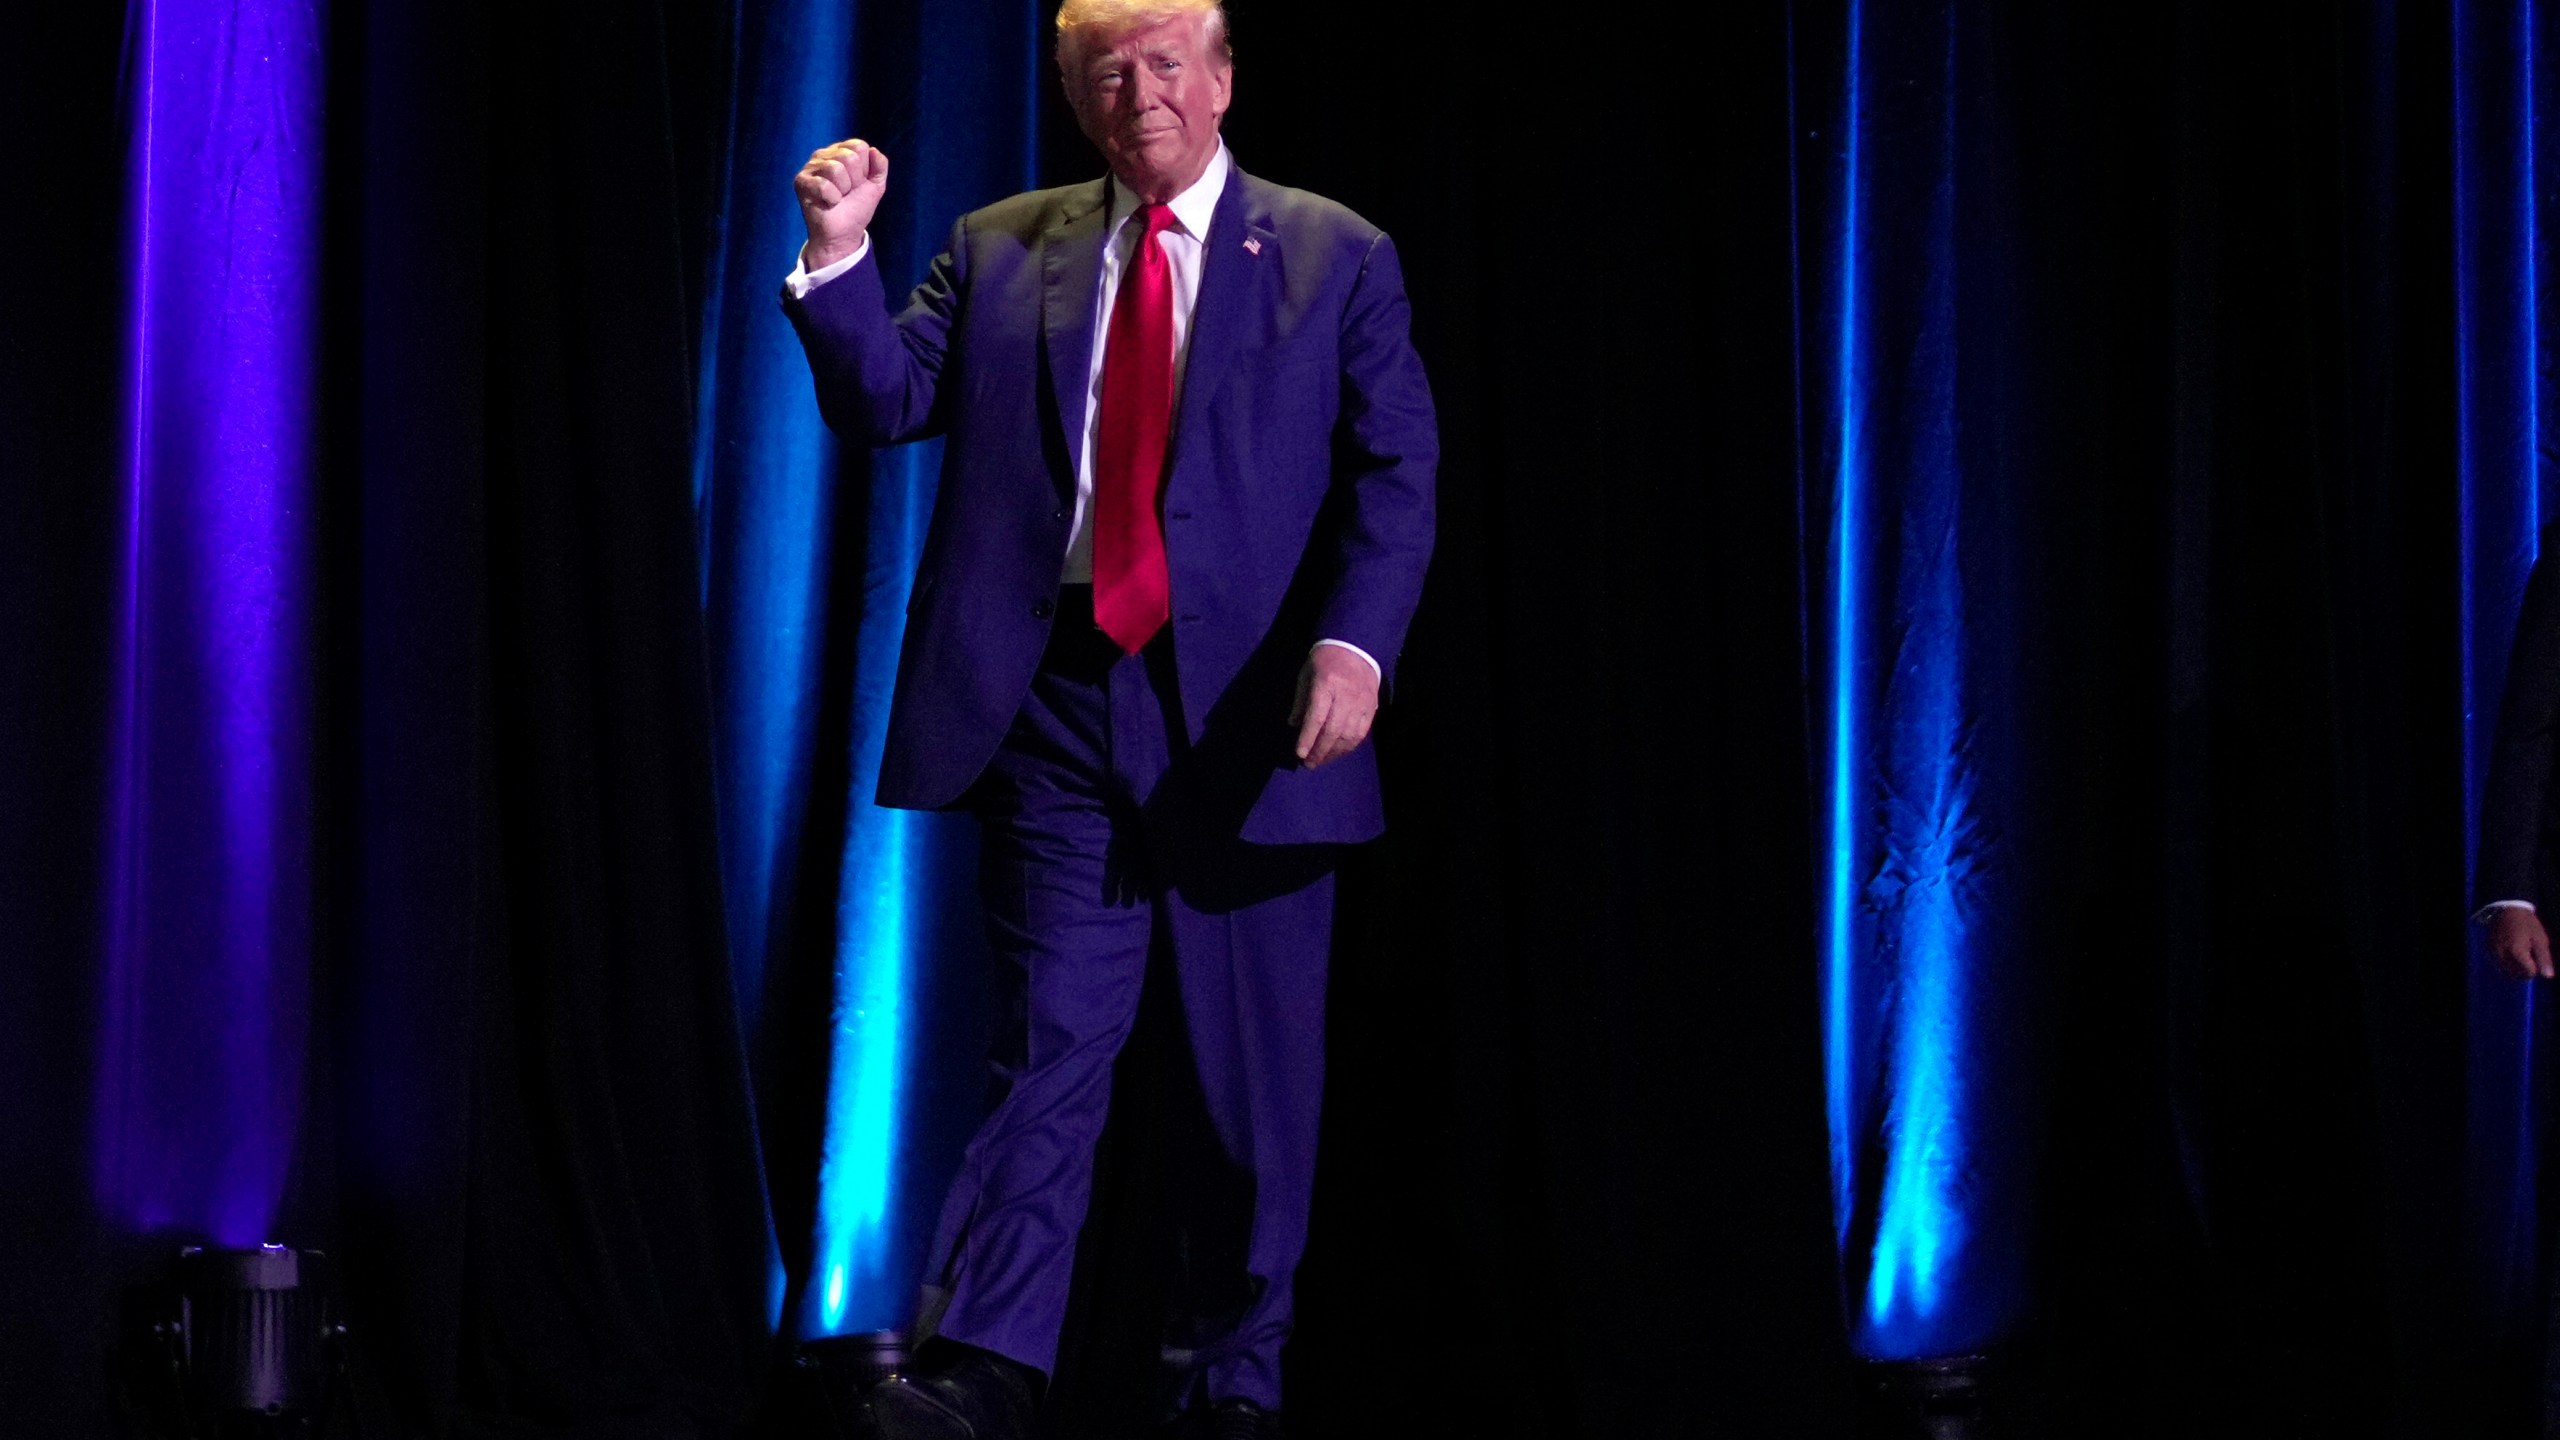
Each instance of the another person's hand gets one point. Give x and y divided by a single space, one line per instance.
839 190
2518 944
1337 698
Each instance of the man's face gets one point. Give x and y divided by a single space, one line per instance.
1150 99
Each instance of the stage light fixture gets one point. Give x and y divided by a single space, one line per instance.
253 1341
1942 1397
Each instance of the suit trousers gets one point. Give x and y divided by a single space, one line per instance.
1091 864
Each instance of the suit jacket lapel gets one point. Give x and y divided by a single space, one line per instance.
1228 272
1070 276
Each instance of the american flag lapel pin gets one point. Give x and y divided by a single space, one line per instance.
1252 245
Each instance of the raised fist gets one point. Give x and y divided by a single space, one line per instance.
839 190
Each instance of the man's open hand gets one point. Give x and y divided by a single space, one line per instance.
839 190
1337 698
2518 944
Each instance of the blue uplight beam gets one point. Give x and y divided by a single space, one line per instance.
1909 925
974 138
2502 364
864 1288
765 486
1931 846
1847 542
764 470
206 1004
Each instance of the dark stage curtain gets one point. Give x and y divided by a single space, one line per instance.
552 1195
1575 1176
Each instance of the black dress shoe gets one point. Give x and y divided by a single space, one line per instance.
1241 1420
963 1394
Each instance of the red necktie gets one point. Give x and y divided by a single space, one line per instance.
1131 594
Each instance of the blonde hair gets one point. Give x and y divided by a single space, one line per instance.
1081 20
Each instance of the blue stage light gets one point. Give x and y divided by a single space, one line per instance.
1848 538
765 482
768 486
869 1280
1910 925
208 936
765 489
1927 940
2503 362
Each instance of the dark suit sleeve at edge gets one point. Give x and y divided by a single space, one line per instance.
2520 760
1386 450
878 378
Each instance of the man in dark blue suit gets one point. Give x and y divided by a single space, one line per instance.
1185 509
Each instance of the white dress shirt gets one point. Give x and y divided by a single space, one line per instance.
1183 243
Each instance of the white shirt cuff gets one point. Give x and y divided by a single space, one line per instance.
1374 667
802 280
2481 915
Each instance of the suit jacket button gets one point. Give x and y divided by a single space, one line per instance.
1043 609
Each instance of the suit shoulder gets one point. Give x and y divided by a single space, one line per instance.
1033 211
1303 216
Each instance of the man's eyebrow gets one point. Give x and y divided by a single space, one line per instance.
1113 59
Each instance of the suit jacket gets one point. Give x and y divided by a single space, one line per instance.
2520 809
1297 502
